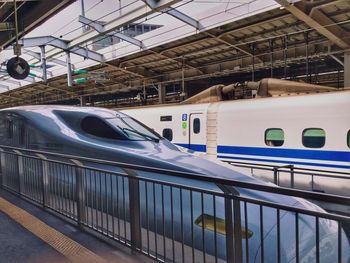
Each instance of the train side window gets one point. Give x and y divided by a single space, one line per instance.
274 137
314 138
196 125
99 128
348 139
168 134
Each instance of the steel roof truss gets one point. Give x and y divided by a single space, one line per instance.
184 18
101 29
61 44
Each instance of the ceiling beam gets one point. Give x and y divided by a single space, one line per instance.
317 20
183 17
127 18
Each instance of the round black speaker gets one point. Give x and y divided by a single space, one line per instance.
17 68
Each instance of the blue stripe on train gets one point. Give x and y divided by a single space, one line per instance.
287 153
287 162
194 147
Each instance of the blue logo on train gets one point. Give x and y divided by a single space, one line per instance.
184 117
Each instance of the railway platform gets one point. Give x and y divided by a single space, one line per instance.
30 234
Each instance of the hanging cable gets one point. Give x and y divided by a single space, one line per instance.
17 50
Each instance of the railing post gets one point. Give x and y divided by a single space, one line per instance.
134 202
237 231
20 171
2 167
292 176
275 175
80 192
233 230
45 179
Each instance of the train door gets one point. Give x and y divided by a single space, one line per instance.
197 132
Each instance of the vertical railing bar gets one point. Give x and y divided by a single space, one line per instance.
124 208
163 215
237 230
230 256
55 186
246 229
61 169
278 236
112 204
262 232
155 220
296 237
107 204
317 224
215 230
96 200
182 226
192 227
2 166
118 208
101 201
203 224
44 179
92 199
339 242
65 185
172 222
147 217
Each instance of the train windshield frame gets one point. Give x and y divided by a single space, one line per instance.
133 129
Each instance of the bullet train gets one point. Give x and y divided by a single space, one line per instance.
308 131
111 135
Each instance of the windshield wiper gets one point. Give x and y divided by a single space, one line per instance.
150 138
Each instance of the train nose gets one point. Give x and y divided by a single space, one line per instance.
303 238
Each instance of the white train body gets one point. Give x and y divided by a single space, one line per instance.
237 131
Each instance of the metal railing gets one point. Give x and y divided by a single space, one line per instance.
293 172
174 216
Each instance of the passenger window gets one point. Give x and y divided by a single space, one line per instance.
168 134
348 139
97 127
314 138
274 137
196 125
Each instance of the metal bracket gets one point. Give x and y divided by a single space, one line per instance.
100 28
61 44
184 18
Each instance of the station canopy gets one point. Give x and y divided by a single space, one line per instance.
115 49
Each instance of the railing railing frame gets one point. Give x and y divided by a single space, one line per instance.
233 223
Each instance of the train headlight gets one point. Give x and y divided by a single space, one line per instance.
209 222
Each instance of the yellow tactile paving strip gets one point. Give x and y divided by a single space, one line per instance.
72 250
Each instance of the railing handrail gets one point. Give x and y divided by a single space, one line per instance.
252 165
201 177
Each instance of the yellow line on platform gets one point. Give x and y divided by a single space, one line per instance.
63 244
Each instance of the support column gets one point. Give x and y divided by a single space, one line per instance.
347 69
82 101
43 63
161 93
69 70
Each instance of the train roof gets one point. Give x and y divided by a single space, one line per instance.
44 109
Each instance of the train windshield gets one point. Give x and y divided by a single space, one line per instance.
133 129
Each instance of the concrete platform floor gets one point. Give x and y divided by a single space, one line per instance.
18 244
